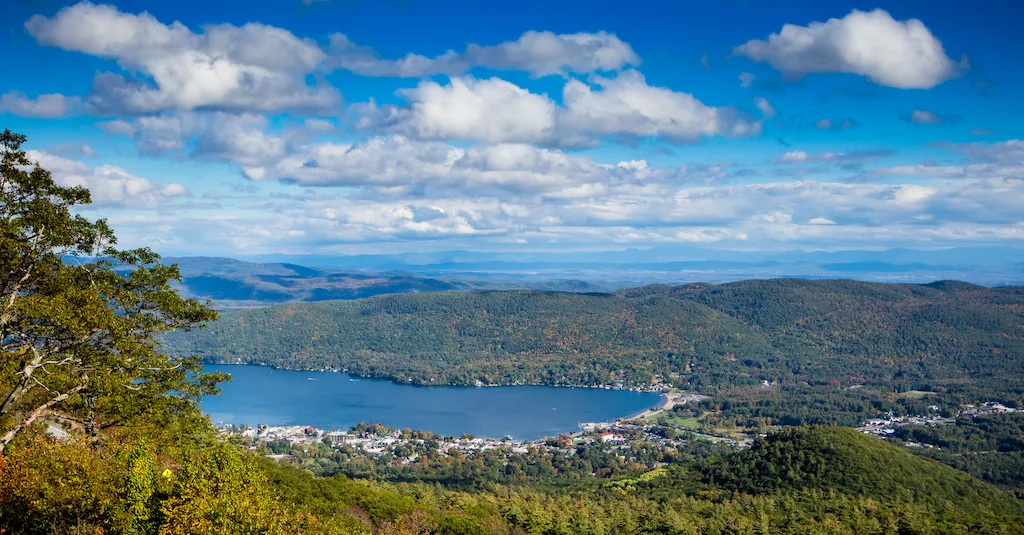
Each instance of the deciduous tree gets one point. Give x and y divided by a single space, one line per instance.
80 319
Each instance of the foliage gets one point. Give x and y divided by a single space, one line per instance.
794 405
989 447
842 460
78 333
996 432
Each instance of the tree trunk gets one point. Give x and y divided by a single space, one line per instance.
22 387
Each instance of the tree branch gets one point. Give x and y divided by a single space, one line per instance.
9 436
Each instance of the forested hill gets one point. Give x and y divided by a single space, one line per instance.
843 460
945 335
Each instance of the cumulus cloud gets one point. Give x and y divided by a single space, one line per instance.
240 139
44 106
627 105
109 185
159 134
498 111
538 53
398 166
252 67
747 79
900 54
491 110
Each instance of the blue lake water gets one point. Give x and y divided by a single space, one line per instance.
263 395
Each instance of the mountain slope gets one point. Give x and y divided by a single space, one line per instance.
460 337
844 460
948 335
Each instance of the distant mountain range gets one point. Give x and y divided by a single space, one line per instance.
278 278
231 283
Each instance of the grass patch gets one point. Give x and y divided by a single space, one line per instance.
690 422
646 476
914 394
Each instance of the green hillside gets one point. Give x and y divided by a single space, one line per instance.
844 460
945 336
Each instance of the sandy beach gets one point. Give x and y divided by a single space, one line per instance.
671 400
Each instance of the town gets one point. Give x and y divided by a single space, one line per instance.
886 427
406 446
621 437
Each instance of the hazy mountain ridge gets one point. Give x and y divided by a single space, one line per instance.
988 266
232 283
271 279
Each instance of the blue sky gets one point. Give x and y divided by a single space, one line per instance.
347 126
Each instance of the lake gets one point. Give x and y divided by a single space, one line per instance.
263 395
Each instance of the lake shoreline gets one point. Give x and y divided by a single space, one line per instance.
282 397
395 380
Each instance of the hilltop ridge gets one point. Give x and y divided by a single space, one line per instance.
698 336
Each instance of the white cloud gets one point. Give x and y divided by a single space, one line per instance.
108 184
627 105
747 79
498 111
969 171
252 67
766 108
397 166
539 53
394 188
985 160
490 110
799 156
543 53
925 117
901 54
911 194
45 106
1009 153
158 134
240 139
770 215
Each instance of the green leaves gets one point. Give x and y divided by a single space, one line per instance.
79 318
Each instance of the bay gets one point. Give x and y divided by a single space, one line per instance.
263 395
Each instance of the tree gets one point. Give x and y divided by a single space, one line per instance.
80 320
